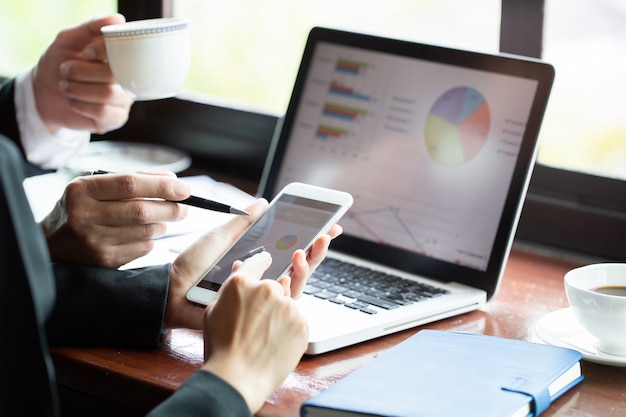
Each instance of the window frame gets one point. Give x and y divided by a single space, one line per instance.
571 211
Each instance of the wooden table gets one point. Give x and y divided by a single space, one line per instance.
131 382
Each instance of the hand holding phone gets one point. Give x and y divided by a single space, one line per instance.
298 215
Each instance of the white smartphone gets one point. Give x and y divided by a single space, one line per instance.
293 220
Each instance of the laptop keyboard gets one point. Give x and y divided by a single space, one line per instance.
360 288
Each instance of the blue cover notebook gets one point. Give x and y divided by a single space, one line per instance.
438 373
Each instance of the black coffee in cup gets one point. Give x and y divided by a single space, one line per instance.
611 290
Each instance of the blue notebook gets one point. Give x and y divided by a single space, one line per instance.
438 373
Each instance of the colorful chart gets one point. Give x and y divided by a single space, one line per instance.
330 132
286 242
345 91
457 126
346 113
351 67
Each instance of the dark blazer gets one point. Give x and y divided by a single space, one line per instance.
42 304
8 123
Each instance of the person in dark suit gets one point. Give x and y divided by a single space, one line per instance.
49 112
46 299
254 335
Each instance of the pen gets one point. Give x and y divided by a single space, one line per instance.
195 201
211 205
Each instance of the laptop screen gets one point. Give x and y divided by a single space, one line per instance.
434 144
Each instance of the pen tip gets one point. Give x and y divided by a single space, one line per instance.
234 210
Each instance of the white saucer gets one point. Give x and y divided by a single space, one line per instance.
129 157
560 328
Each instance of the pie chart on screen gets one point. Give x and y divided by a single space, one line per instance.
457 126
286 242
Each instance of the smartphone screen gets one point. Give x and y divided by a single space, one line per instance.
290 223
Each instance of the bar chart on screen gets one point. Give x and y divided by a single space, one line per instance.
341 119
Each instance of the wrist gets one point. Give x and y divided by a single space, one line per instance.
42 146
183 314
180 312
40 105
250 387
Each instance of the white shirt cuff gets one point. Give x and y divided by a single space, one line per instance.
42 148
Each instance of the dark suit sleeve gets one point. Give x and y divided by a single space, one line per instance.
203 395
98 306
8 121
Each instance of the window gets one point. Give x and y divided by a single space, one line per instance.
567 206
585 124
568 209
28 26
250 50
252 62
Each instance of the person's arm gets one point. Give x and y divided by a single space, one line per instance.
254 334
42 147
73 83
107 307
109 220
131 307
203 394
51 110
8 122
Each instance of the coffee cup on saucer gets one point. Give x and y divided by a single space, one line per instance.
597 297
149 58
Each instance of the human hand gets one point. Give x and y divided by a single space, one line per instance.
304 263
73 83
105 220
254 334
191 264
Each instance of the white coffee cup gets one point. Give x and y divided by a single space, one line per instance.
149 58
603 315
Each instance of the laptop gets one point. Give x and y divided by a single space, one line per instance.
436 146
